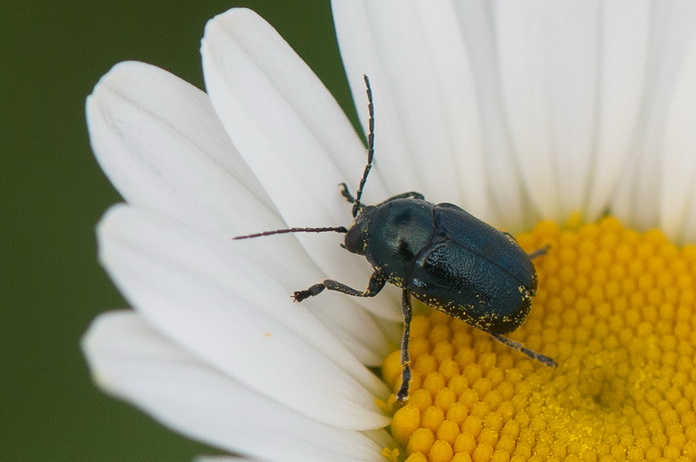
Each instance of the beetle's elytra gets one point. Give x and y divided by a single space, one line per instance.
439 254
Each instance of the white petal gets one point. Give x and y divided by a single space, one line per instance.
689 228
161 144
163 147
509 198
437 98
671 34
548 56
224 459
678 195
623 53
133 361
292 134
224 306
427 121
500 129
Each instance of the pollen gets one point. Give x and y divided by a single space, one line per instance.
616 309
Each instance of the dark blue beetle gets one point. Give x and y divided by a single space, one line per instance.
440 254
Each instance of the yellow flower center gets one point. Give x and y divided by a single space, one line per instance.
616 309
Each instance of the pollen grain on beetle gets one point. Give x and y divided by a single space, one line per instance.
617 310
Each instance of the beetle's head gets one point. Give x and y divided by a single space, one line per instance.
356 238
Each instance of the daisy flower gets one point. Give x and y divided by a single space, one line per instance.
566 123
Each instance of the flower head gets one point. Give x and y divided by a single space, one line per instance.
516 112
615 309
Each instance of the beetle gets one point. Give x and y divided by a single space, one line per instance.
439 254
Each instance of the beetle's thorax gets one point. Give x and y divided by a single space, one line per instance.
391 235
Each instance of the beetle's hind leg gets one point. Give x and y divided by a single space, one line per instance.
375 285
402 394
518 346
539 252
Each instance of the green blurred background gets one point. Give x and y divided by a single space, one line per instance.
53 194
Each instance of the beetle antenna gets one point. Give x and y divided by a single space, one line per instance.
370 147
338 229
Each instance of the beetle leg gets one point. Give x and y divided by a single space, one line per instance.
518 346
376 284
405 358
536 253
406 195
539 252
509 235
346 193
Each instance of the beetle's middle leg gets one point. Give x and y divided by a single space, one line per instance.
376 284
402 394
518 346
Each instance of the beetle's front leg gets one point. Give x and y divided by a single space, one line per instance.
345 192
377 281
402 394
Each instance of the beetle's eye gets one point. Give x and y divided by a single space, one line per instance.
354 240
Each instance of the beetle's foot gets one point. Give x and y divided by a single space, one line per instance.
539 357
402 394
300 295
346 193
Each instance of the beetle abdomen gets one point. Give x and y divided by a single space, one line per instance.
486 242
456 281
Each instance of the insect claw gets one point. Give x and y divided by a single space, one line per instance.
300 295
